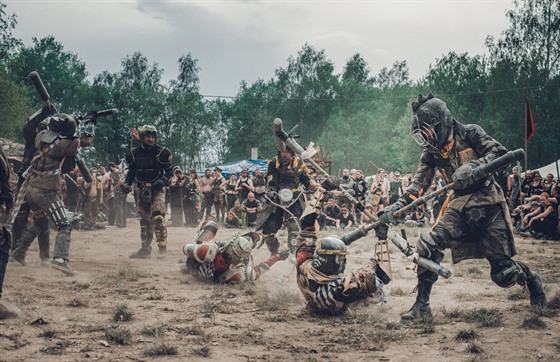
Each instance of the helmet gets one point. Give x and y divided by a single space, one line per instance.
59 125
147 130
238 249
432 123
330 256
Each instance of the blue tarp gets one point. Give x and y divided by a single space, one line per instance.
237 166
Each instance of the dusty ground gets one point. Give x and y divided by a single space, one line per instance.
177 318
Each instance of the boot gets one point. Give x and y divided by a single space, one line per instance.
536 291
145 252
421 308
272 244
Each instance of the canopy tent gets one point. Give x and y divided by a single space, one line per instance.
237 166
550 168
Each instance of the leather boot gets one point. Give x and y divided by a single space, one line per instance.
536 291
421 308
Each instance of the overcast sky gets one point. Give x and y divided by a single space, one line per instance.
247 40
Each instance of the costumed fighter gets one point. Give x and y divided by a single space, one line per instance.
474 222
54 145
320 272
149 171
226 262
6 204
287 174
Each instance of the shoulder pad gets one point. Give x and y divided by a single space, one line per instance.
164 155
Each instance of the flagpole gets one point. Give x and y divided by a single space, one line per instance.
525 123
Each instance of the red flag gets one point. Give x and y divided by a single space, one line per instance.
135 133
529 121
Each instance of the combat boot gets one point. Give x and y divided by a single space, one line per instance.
16 255
536 291
162 251
421 308
145 252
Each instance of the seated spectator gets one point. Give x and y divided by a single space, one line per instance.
543 221
345 219
234 217
251 207
330 213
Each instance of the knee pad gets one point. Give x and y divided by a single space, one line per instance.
506 272
429 247
58 215
146 231
272 243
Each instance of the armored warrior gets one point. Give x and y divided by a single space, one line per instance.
54 145
226 262
149 171
320 273
6 204
286 175
475 222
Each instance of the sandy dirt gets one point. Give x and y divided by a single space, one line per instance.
173 317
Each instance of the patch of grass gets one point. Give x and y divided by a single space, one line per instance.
474 348
160 349
533 322
554 302
154 331
129 274
217 306
398 291
485 317
155 296
80 285
122 313
517 294
119 335
203 351
77 303
474 272
49 333
57 349
466 335
453 313
273 301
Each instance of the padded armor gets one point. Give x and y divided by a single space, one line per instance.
57 213
506 272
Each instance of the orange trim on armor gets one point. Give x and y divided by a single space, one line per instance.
446 150
443 208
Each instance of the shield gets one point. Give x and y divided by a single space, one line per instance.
176 203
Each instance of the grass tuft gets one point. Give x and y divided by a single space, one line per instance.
77 303
533 322
485 317
122 314
203 351
119 335
466 335
154 331
160 349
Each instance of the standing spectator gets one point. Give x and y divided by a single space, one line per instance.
360 189
513 189
231 192
206 187
251 207
345 219
385 187
219 199
376 192
395 187
549 183
244 185
91 204
191 199
116 199
525 185
347 183
259 183
536 187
